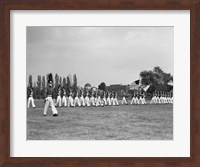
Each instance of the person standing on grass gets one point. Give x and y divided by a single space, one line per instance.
76 100
104 98
64 98
108 98
30 98
70 100
133 100
82 101
124 99
59 101
48 99
87 100
92 99
115 98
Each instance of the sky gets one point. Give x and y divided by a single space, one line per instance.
114 55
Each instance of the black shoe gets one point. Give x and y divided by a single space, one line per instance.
44 115
55 115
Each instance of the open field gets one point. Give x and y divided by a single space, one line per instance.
137 122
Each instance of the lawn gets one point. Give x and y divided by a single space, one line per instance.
136 122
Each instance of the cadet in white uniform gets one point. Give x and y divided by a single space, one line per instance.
70 100
92 100
104 99
58 101
76 100
87 100
48 99
108 99
133 100
64 98
124 99
115 99
82 100
30 99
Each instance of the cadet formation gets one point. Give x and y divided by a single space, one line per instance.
94 98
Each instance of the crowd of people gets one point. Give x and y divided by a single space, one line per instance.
95 98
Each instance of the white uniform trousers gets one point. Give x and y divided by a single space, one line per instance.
82 101
87 101
124 101
49 102
133 101
92 101
64 101
105 101
98 102
116 101
58 101
108 101
77 102
70 102
31 100
112 101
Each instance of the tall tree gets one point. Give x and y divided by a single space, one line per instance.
39 86
157 78
64 82
60 81
74 87
56 80
43 87
68 85
30 82
102 86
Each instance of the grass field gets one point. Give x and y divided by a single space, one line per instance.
137 122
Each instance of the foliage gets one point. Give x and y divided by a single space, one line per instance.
102 86
157 78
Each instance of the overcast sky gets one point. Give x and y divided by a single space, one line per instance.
115 55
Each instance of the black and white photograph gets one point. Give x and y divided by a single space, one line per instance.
99 83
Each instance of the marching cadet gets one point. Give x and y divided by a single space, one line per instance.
87 100
82 100
98 102
143 99
124 99
92 99
137 98
101 99
58 101
70 100
48 99
30 98
104 98
64 98
133 100
115 98
108 99
76 100
95 97
112 98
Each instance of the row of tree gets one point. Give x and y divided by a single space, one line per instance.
157 78
40 85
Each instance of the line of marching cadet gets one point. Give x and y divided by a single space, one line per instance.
106 98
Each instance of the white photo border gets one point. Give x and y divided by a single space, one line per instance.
178 147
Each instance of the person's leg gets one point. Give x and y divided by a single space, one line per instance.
46 107
32 102
29 100
123 100
53 108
